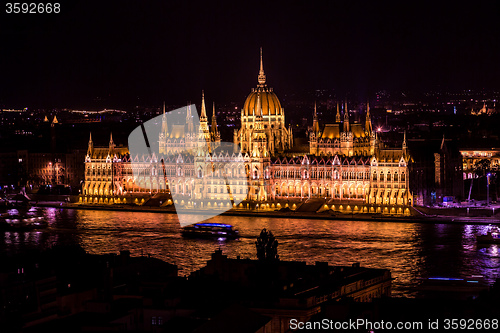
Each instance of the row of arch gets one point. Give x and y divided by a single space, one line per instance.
308 190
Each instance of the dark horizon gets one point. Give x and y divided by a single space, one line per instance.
135 53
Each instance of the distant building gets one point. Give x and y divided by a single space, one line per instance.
471 156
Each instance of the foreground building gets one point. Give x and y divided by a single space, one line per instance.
347 169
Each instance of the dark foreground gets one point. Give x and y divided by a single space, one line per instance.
66 290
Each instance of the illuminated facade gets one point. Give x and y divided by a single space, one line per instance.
347 167
177 138
342 137
471 156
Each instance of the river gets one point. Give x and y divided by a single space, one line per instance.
410 250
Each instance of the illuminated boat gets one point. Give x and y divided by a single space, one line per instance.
456 287
21 223
210 230
491 237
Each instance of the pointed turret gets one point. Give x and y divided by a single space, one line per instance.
315 120
368 121
164 125
55 121
337 117
203 116
404 146
346 119
214 122
203 129
262 77
91 146
111 143
189 120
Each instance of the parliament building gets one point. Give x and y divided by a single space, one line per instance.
345 168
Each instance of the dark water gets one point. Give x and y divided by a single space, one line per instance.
409 250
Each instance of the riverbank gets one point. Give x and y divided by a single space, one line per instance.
326 215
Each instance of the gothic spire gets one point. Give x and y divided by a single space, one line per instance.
262 77
91 145
111 143
214 120
189 120
315 120
164 125
346 119
368 122
337 117
203 116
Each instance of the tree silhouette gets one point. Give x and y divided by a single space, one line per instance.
267 246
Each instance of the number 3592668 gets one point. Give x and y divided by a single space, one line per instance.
32 8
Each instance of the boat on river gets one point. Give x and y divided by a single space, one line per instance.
492 236
22 222
462 287
210 230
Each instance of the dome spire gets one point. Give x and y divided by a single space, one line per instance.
262 77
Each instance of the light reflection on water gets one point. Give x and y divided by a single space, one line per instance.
409 250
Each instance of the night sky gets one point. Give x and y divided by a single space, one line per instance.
125 53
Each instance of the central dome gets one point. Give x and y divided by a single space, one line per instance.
268 99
